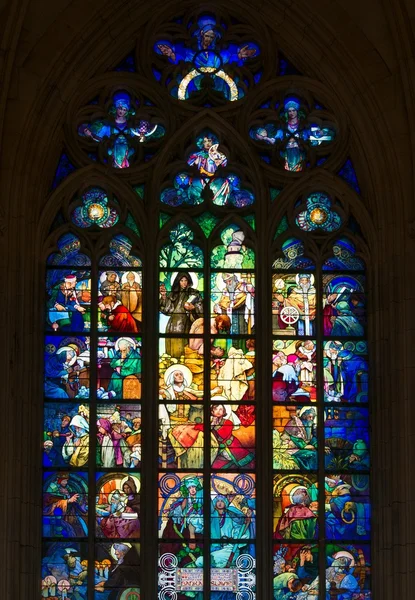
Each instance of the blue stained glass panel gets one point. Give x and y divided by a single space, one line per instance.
347 507
344 305
233 506
65 504
209 58
69 253
65 570
66 367
344 257
345 370
349 565
346 433
318 214
348 173
65 435
64 169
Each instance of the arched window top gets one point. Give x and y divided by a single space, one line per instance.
233 253
120 253
69 253
192 145
344 257
181 252
293 256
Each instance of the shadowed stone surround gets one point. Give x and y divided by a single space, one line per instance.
363 54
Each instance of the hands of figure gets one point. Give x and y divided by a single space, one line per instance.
163 292
59 307
87 132
73 498
302 556
314 506
189 306
118 369
246 52
80 308
111 318
327 450
217 309
77 442
166 51
309 447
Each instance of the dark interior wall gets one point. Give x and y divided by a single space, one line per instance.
365 57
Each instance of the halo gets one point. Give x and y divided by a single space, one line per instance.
135 479
66 348
181 94
187 374
279 345
103 275
327 345
193 275
127 339
294 489
218 397
306 407
297 278
122 496
137 277
112 551
220 284
345 554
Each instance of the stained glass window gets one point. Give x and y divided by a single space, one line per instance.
205 381
92 415
207 450
321 455
210 58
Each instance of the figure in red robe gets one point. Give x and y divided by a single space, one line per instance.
117 316
231 453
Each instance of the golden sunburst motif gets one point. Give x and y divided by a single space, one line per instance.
318 216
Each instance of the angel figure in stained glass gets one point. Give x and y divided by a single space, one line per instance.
120 129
